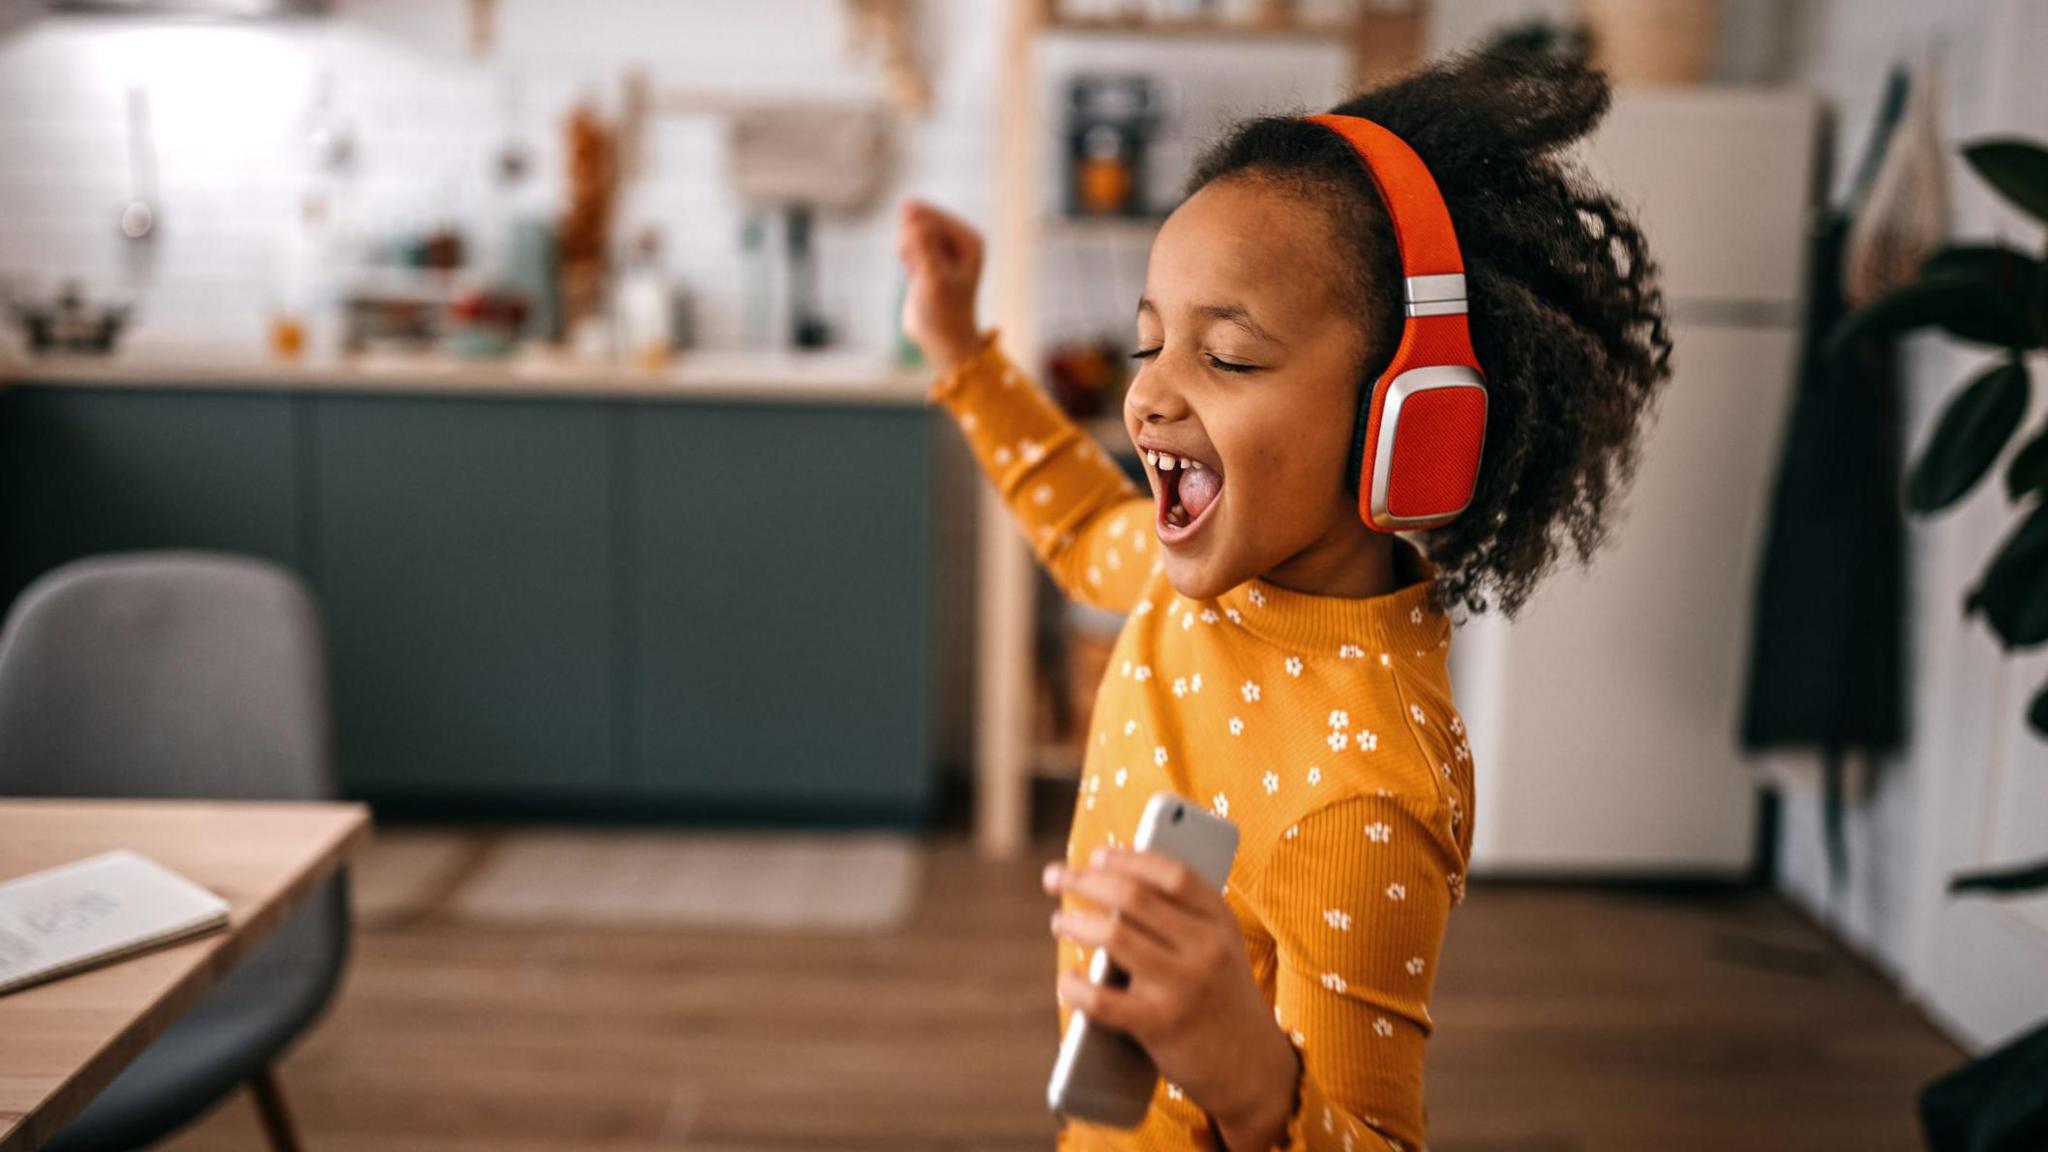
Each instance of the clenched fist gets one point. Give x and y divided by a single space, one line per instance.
943 256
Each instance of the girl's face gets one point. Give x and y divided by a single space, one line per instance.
1247 382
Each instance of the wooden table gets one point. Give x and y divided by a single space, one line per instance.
62 1043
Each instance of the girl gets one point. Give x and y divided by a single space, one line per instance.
1283 662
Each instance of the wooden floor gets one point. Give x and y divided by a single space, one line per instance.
1569 1020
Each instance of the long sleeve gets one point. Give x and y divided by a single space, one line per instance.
1086 521
1357 898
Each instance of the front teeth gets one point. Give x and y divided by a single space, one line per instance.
1167 463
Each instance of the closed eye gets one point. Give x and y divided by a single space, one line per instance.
1217 362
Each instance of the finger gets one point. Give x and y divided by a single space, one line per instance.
1133 900
1109 1007
1172 878
1134 951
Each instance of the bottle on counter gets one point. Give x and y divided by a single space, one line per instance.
646 309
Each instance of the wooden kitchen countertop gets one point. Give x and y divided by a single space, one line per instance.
745 377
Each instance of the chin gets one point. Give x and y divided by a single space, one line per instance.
1198 579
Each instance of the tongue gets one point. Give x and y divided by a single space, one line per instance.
1198 490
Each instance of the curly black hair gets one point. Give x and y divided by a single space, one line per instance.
1566 315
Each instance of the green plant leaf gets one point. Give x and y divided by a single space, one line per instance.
2037 713
2025 878
1995 264
2017 168
2028 471
1970 435
1959 302
2013 595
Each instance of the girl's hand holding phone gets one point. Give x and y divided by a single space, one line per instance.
943 255
1191 1000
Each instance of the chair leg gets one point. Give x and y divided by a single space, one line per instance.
277 1120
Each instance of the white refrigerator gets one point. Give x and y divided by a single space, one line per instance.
1604 719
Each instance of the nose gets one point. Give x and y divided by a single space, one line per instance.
1154 398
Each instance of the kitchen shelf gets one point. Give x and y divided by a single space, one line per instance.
1198 28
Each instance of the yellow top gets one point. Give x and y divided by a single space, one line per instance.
1321 726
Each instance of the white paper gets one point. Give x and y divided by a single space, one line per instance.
102 908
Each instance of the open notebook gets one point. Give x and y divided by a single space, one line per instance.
86 913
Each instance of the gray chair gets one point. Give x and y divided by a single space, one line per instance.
192 676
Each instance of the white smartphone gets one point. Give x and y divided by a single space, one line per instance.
1102 1075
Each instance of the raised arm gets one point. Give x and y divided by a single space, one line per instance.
1085 519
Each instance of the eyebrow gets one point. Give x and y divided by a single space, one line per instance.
1229 313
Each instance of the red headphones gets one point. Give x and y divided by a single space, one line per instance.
1425 422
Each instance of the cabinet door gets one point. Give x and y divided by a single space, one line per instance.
783 599
84 471
466 546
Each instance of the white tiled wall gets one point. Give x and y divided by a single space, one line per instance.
230 102
231 106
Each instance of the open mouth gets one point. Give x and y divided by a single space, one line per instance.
1187 489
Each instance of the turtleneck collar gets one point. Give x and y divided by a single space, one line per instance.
1400 623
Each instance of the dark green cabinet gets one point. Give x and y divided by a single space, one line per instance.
556 606
466 556
104 470
782 592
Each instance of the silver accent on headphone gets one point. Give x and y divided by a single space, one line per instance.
1442 295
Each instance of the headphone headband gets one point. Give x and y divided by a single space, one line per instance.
1424 424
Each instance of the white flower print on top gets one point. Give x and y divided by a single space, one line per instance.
1386 660
1415 713
1383 1026
1221 804
1315 775
1195 682
1236 726
1236 617
1338 919
1415 966
1117 526
1272 782
1142 673
1250 691
1187 621
1367 740
1293 830
1002 457
1334 982
1258 598
1379 832
1159 756
1095 575
1209 616
1350 652
1173 1091
1114 561
1338 740
1340 719
1031 450
1415 615
1130 726
1457 725
1126 673
968 423
1180 686
1397 891
1122 774
1042 495
1294 665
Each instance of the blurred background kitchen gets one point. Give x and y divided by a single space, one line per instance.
716 724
